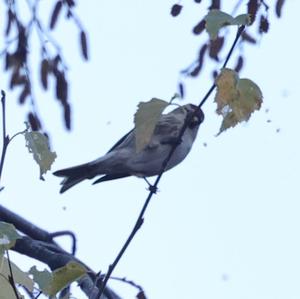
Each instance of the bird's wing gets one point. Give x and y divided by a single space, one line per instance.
167 129
110 177
124 141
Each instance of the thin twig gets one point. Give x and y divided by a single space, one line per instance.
5 137
239 32
18 133
66 233
38 295
130 282
11 276
153 188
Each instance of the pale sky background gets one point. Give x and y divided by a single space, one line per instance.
225 223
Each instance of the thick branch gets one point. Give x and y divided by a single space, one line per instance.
38 244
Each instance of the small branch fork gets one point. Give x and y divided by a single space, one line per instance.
153 188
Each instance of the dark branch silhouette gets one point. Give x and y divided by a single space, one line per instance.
38 244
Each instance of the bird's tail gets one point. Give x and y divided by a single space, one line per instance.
75 175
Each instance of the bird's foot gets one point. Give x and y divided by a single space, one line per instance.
151 187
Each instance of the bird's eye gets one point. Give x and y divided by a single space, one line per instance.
194 122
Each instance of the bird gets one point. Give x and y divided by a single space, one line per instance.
122 160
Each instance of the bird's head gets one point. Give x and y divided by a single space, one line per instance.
198 115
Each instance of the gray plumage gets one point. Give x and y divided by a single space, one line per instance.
123 160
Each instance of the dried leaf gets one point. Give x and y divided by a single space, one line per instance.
278 8
56 61
24 94
44 73
17 79
248 38
195 72
141 295
34 121
263 25
181 89
83 43
8 61
198 29
70 3
215 46
240 63
236 98
215 4
67 116
61 86
21 52
10 18
215 74
252 10
55 14
176 9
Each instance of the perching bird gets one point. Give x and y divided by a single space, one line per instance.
122 160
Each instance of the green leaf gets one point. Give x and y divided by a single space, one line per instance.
7 291
52 283
42 278
217 19
8 236
66 275
20 277
145 120
38 145
243 19
236 98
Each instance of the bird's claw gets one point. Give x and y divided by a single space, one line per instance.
152 189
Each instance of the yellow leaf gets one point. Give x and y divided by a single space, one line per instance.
20 277
236 98
52 283
226 83
7 292
63 276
